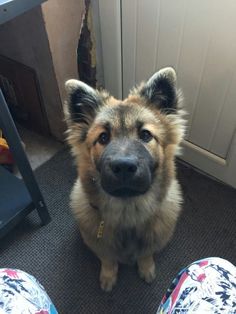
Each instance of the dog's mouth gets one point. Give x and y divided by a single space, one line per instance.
125 192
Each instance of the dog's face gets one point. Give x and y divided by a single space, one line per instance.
123 150
124 145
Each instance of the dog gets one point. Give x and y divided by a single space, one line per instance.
126 199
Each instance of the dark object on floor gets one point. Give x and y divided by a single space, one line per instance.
16 201
56 255
20 87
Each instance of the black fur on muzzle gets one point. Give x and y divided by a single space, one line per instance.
126 167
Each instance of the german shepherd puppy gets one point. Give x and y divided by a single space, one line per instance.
126 198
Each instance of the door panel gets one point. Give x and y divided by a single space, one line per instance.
219 67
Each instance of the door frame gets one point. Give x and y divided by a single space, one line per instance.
111 39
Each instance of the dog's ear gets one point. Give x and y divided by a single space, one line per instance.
160 90
82 102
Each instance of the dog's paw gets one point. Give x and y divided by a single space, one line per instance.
107 282
147 270
108 275
148 274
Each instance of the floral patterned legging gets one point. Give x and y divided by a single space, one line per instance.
205 286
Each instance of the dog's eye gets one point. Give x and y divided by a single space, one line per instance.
145 136
104 138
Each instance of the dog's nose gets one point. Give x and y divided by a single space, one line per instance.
124 167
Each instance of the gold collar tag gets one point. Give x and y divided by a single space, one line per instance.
100 230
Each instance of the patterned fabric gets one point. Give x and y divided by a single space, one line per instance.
206 286
21 293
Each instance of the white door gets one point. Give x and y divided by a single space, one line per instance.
197 38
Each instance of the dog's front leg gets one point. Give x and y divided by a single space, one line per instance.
147 268
108 274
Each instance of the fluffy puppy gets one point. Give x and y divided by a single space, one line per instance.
126 198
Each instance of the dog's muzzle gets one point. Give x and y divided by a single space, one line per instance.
126 169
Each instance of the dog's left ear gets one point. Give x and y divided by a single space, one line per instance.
160 90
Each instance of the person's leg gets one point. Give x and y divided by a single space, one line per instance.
22 293
205 286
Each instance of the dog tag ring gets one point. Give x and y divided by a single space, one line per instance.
100 230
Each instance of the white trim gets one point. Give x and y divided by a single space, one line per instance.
204 152
110 22
224 170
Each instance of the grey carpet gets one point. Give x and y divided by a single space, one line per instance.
56 255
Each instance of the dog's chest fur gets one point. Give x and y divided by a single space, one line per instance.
129 243
129 223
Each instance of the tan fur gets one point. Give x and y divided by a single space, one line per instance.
154 214
146 267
